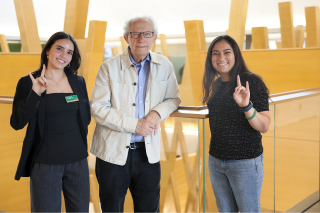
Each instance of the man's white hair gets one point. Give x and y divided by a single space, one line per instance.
137 17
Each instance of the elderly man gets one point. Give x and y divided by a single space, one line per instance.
133 92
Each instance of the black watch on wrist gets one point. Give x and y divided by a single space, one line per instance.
247 108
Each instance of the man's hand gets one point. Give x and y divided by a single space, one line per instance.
144 127
155 119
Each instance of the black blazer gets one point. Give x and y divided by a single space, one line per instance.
29 107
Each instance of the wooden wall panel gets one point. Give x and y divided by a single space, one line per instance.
285 69
164 46
278 43
4 43
26 17
114 51
8 135
75 23
286 25
312 26
299 34
94 52
76 18
237 21
186 87
70 16
93 60
13 67
124 44
195 42
82 47
15 195
153 48
260 38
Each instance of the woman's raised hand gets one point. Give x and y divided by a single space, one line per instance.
40 83
241 94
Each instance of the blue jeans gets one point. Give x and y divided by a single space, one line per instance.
237 183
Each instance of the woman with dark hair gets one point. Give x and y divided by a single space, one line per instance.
53 101
237 115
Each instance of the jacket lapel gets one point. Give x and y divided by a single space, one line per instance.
41 113
154 60
82 108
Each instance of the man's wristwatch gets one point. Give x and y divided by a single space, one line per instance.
247 108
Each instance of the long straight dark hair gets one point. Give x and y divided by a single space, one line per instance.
209 84
76 58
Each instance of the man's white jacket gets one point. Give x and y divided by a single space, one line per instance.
112 105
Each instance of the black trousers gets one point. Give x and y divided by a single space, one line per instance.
141 177
47 181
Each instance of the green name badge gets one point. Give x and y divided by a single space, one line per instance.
71 98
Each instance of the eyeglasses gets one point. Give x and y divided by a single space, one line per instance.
145 34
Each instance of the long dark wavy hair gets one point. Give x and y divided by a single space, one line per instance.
76 58
209 84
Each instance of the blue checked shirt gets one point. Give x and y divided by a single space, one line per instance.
143 70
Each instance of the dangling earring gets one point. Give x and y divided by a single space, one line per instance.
68 65
47 57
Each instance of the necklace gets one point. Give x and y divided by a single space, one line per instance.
54 81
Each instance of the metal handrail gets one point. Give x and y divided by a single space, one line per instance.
201 112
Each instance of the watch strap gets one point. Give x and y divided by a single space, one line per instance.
247 108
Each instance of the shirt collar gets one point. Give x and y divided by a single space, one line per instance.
148 58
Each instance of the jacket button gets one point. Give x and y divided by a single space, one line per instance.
134 83
133 104
132 65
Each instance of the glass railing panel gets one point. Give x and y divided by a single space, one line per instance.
181 165
203 172
267 193
296 151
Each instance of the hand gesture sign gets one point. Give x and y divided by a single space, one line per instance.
241 94
39 85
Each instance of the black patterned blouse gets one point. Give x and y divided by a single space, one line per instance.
232 137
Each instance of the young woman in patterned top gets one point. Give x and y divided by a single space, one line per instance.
237 100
